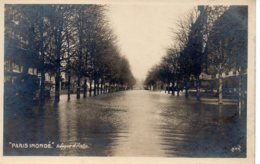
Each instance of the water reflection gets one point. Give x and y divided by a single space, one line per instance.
201 130
92 122
30 126
133 123
140 122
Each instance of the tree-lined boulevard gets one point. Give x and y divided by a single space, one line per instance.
70 40
67 82
210 43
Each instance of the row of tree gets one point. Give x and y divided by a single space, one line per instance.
210 40
72 39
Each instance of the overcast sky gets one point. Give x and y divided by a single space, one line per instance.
144 32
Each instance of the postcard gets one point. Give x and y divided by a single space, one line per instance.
128 81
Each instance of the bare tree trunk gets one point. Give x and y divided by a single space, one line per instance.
90 88
198 88
69 85
68 68
220 91
42 65
109 87
173 91
85 88
95 87
57 86
98 87
58 43
101 88
168 88
78 87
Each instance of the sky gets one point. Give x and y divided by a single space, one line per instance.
144 32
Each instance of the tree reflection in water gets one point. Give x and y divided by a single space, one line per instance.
131 123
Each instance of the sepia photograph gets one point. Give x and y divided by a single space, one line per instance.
165 80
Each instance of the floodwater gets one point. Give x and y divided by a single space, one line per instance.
130 123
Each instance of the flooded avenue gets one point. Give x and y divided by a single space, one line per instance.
130 123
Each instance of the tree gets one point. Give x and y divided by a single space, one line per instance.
34 28
72 39
227 46
186 42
